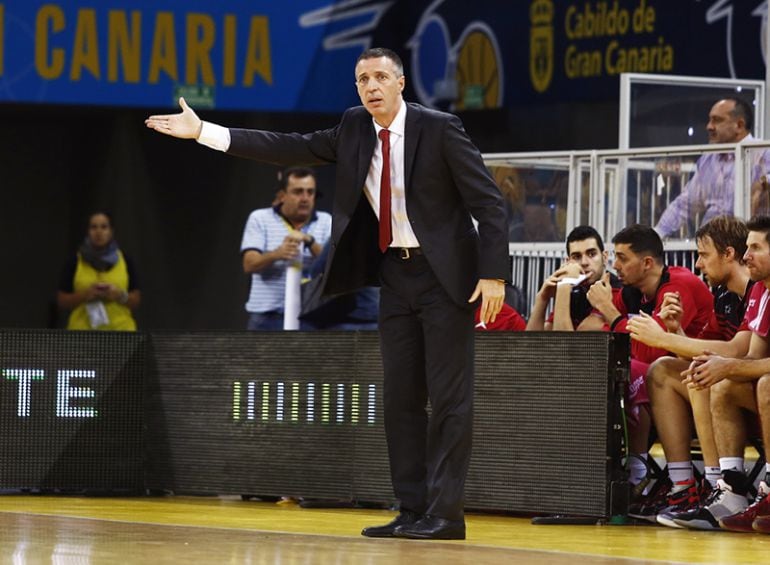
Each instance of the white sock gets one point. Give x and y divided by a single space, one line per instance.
680 471
731 463
637 468
712 475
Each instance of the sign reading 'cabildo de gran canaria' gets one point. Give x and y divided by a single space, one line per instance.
615 24
264 55
600 41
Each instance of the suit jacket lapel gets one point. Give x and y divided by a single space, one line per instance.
365 152
412 130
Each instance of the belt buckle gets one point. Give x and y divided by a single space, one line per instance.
404 255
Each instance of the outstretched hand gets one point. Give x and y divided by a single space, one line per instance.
185 125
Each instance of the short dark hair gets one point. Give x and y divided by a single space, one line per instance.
642 239
725 231
582 233
761 224
298 172
377 52
743 110
100 212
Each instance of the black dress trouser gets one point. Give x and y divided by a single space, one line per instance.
427 345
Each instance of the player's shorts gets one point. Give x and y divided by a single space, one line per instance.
636 392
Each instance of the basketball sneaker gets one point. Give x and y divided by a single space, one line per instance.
647 507
724 501
743 522
697 494
762 524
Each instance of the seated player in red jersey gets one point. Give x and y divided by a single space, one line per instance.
721 245
646 279
738 385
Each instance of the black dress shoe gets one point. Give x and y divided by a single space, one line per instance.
432 527
404 518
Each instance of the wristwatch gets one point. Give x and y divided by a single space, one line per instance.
310 242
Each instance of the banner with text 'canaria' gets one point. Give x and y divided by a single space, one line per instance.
234 54
282 56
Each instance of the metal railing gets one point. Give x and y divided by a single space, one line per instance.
549 193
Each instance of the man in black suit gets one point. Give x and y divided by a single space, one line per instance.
408 180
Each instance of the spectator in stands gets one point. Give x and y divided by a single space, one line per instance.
567 286
274 237
711 190
99 283
737 385
646 279
721 245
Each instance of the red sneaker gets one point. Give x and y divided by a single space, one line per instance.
697 496
762 524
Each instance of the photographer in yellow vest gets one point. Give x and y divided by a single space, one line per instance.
99 284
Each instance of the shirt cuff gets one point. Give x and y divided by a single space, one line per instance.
214 136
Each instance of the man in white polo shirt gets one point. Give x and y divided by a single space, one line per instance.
276 236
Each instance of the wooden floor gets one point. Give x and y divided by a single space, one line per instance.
86 531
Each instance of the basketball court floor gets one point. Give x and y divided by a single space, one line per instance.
66 530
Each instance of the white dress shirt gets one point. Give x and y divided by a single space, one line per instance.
403 235
214 136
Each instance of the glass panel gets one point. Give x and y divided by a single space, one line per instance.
676 114
674 194
536 200
757 162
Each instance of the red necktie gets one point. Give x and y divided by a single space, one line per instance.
385 231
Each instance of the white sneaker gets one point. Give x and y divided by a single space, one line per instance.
723 502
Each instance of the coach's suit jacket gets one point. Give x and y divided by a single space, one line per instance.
445 180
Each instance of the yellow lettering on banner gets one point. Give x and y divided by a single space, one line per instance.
163 56
200 40
644 18
610 57
581 64
2 36
258 53
85 50
644 59
124 44
228 66
120 50
601 20
49 16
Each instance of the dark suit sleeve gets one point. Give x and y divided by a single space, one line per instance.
481 197
285 149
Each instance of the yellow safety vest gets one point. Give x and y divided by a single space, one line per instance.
118 314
